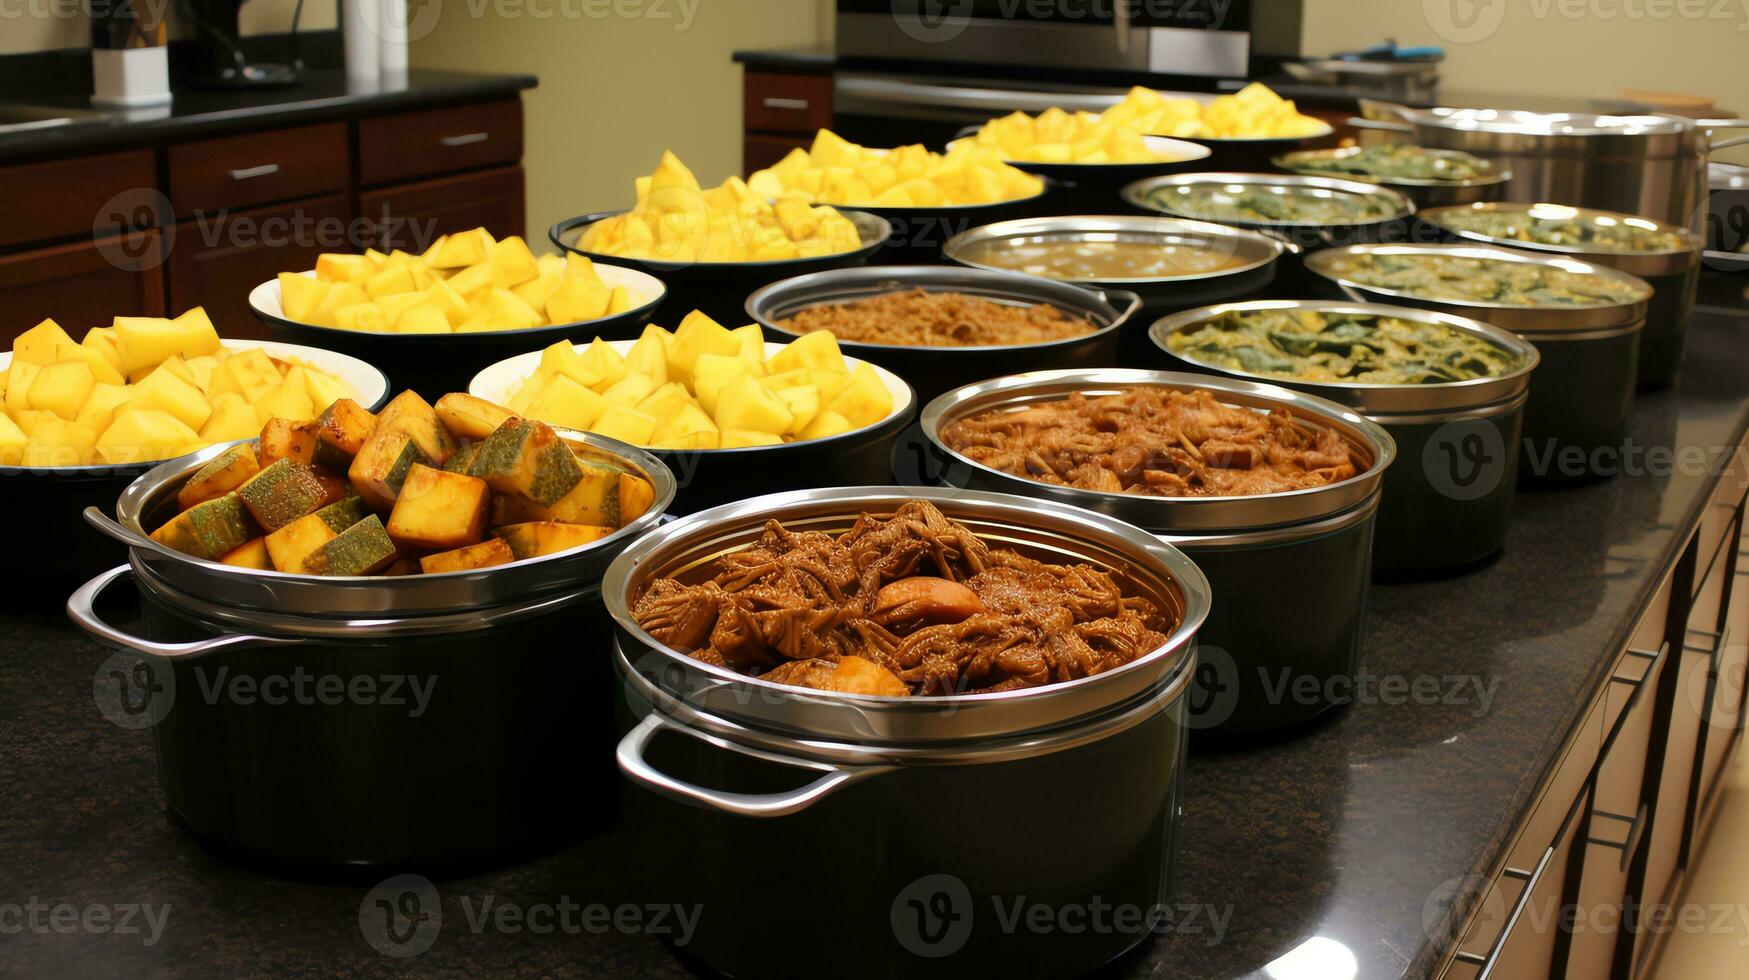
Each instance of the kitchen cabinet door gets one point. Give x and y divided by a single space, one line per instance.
411 216
83 284
215 262
1534 940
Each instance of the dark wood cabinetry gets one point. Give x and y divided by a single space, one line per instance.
155 230
779 112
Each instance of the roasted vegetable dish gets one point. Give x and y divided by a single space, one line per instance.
920 318
704 387
1156 441
1271 204
415 488
1359 348
1102 256
1391 161
1464 279
1561 226
145 388
908 604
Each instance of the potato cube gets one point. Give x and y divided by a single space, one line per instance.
39 344
285 439
340 432
698 334
300 296
817 351
250 373
282 492
746 404
463 249
564 402
166 391
362 549
826 424
492 551
141 434
249 554
54 441
222 474
537 538
210 529
527 458
61 388
232 418
865 400
467 417
438 510
102 370
626 424
512 263
462 459
290 545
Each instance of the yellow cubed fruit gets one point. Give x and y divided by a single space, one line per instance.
39 344
232 418
390 280
145 342
744 403
816 351
290 399
100 405
665 401
626 424
865 400
711 373
563 402
337 267
512 263
300 295
463 249
18 381
61 388
142 434
423 318
698 334
165 391
577 299
629 390
649 355
825 425
366 317
475 279
58 442
803 402
742 438
12 442
101 369
249 373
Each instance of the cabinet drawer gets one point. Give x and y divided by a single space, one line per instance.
416 144
82 284
255 168
215 263
1531 944
63 198
787 103
759 152
411 216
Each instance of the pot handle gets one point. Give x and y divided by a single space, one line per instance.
1383 125
81 609
1293 247
1733 141
639 770
1131 301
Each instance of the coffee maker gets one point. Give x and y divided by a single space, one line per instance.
221 62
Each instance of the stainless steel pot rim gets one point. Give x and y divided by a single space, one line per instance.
1486 410
1138 195
1176 514
1319 263
1047 185
1479 391
872 231
1198 542
1169 565
1526 123
1156 226
789 296
1655 262
1116 719
1295 162
399 595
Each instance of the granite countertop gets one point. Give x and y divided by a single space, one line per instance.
322 95
1333 841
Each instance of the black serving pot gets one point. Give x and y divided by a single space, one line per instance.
1583 396
1674 275
436 364
1304 556
707 477
718 288
1092 188
917 234
63 549
322 724
1254 153
768 781
933 370
1447 504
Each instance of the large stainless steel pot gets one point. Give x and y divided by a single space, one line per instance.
1651 165
774 784
368 721
933 370
1673 275
1584 390
1448 503
1305 556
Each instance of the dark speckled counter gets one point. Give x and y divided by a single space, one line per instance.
1338 836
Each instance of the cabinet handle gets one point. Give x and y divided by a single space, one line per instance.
464 139
773 102
246 173
1629 844
1487 961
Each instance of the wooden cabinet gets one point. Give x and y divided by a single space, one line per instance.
779 112
154 231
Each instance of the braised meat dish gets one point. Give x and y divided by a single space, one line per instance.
919 318
1157 441
912 604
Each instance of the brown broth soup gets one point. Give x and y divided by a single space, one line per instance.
1106 257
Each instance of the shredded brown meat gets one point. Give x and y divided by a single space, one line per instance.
1157 441
914 602
918 318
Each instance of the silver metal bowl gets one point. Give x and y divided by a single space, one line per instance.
1425 192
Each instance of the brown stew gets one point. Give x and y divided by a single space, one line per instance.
919 318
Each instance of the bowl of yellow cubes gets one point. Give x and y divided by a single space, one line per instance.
81 419
714 246
730 414
926 197
467 300
1243 130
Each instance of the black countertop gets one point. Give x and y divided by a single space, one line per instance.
1340 837
322 95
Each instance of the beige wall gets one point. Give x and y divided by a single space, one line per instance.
615 92
1558 47
44 25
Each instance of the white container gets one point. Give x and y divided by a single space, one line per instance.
130 76
362 31
393 54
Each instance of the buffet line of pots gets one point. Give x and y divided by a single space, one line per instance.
1200 291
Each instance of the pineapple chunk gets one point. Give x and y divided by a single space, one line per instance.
141 434
57 442
746 404
816 351
626 424
39 345
232 417
438 510
865 400
61 388
564 402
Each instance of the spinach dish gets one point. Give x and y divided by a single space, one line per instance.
1462 279
1272 204
1361 348
1562 227
1393 162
